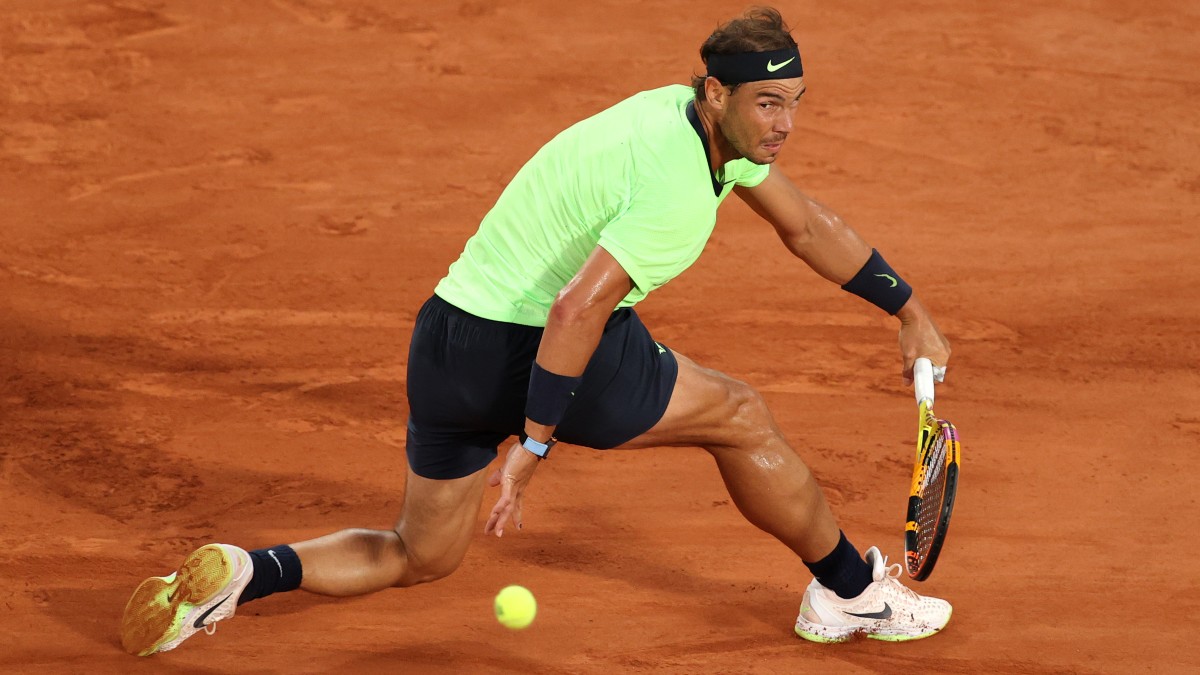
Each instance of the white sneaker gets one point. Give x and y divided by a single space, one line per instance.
165 611
886 610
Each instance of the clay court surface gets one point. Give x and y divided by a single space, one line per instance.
218 220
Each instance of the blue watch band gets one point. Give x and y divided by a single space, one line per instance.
537 447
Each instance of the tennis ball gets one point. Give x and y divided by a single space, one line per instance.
515 607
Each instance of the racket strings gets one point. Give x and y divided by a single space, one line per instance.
933 487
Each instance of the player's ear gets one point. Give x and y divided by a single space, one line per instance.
716 92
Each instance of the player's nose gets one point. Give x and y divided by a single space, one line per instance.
785 122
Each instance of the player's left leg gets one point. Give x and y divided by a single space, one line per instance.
637 393
774 489
767 479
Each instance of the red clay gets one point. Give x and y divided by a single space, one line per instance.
218 220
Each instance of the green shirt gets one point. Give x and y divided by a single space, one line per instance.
634 179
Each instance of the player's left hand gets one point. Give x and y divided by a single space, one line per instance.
920 336
512 478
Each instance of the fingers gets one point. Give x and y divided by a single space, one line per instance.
512 479
491 521
928 343
499 520
500 512
906 367
499 517
506 506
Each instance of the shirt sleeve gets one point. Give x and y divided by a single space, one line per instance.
751 174
655 238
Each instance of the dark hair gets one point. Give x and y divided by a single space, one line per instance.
760 29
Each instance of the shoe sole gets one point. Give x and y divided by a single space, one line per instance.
158 611
834 635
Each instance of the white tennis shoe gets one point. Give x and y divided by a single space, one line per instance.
165 611
886 610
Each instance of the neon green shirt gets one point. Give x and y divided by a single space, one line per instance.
633 179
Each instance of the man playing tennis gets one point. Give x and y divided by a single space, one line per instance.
532 334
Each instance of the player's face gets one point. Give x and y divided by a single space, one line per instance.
759 117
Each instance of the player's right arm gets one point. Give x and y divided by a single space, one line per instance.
573 330
577 319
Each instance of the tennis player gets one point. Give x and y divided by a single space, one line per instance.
533 334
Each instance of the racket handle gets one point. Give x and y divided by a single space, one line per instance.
923 379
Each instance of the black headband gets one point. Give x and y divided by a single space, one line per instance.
780 64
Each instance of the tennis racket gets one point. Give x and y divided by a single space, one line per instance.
934 479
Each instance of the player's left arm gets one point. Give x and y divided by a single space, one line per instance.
820 238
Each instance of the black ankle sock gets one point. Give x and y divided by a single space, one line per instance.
276 570
843 571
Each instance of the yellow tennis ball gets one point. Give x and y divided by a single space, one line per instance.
515 607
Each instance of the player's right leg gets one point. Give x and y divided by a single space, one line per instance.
465 391
428 542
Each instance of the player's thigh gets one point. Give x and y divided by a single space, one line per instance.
626 386
437 518
704 408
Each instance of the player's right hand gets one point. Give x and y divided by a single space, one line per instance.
512 478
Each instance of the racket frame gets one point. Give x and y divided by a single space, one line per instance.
930 428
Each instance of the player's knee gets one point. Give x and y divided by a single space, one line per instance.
748 406
745 414
422 569
426 573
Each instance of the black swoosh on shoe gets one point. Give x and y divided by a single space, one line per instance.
884 613
199 623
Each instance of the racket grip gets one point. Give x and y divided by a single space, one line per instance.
923 379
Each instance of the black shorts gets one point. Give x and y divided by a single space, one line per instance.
468 378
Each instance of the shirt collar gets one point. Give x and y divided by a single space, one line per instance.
694 118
